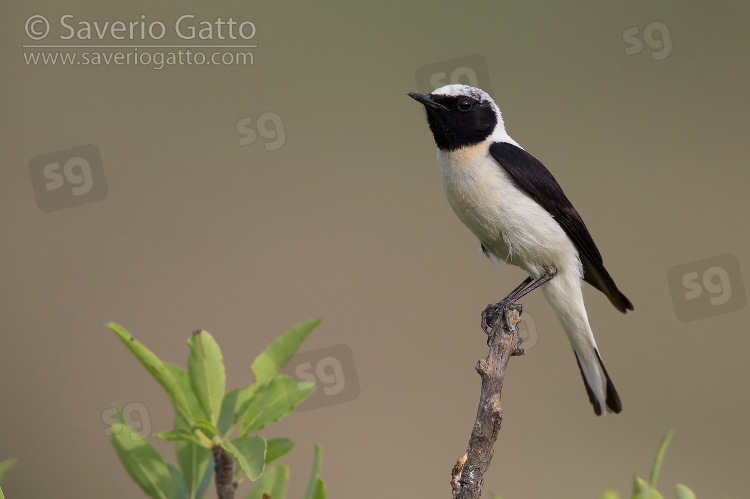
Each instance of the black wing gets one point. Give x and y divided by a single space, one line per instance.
532 176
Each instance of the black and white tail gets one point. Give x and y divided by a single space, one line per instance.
611 399
565 295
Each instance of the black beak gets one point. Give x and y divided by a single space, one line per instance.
427 100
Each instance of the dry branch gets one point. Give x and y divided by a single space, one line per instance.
468 473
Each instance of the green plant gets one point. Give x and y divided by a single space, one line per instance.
647 490
5 467
206 417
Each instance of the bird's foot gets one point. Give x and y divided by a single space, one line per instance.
495 311
498 311
490 316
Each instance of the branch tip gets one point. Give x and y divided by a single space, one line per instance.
467 476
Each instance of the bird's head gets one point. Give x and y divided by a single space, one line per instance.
460 115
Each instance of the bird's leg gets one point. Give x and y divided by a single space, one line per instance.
491 314
519 288
519 293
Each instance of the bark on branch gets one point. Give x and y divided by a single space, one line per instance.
224 472
467 475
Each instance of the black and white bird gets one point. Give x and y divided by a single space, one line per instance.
516 208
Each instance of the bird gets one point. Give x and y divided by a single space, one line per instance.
511 202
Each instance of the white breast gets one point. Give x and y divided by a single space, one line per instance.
514 227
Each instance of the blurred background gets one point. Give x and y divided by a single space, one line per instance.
301 182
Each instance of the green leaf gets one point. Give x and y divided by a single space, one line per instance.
206 427
638 484
179 489
320 489
207 375
682 492
196 463
243 400
142 462
277 447
6 466
206 481
313 486
273 402
2 496
157 369
194 459
609 494
642 490
277 354
179 434
660 457
268 364
183 381
249 452
226 416
273 483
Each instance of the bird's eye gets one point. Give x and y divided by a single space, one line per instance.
465 104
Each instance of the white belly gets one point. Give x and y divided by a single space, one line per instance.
514 227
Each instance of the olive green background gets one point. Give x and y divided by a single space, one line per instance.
347 222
